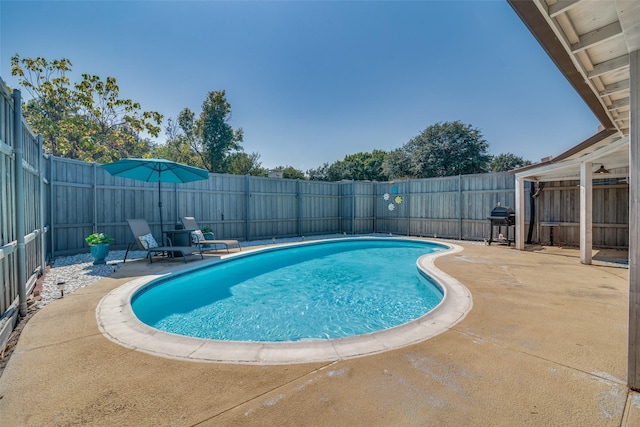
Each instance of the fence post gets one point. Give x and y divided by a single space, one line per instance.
19 200
375 207
52 203
247 204
353 207
95 198
299 197
459 207
408 207
175 204
43 199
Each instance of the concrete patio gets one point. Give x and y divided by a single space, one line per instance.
544 344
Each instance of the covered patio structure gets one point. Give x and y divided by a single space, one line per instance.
596 45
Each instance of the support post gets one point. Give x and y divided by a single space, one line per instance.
42 222
176 206
247 208
519 213
586 212
94 189
353 206
459 207
407 206
299 197
52 205
633 380
375 207
19 200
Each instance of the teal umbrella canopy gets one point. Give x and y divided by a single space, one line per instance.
156 170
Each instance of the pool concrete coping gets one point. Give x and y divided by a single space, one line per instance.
118 323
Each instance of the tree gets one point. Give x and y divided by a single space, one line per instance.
210 136
176 147
507 162
241 163
290 172
445 149
360 167
87 121
51 104
397 165
116 123
319 174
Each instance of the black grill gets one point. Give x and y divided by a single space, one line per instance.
501 217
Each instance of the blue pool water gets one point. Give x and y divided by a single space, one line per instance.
320 290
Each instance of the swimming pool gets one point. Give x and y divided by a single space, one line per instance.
319 290
118 322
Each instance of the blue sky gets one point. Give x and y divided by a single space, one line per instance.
311 82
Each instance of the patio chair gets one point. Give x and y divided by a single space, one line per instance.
145 242
198 237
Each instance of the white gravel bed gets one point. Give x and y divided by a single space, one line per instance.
78 271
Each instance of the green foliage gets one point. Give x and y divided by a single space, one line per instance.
397 164
443 149
87 121
360 167
319 174
177 147
97 238
210 136
241 163
290 172
507 162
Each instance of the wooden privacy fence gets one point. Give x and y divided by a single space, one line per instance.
451 207
559 214
22 201
87 199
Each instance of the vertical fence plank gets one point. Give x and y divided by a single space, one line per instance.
22 236
18 151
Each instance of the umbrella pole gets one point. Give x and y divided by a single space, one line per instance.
160 208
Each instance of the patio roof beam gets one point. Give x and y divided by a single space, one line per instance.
610 89
623 115
595 37
561 7
609 66
619 103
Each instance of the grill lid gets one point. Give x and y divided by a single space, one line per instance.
501 212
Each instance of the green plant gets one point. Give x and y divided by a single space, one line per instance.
206 230
97 238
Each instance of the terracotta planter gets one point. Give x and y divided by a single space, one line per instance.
99 252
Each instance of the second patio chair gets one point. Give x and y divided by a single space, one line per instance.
198 236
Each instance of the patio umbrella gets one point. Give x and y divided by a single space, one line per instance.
156 170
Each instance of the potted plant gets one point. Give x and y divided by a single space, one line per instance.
208 233
99 246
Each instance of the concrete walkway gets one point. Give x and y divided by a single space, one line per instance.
544 344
